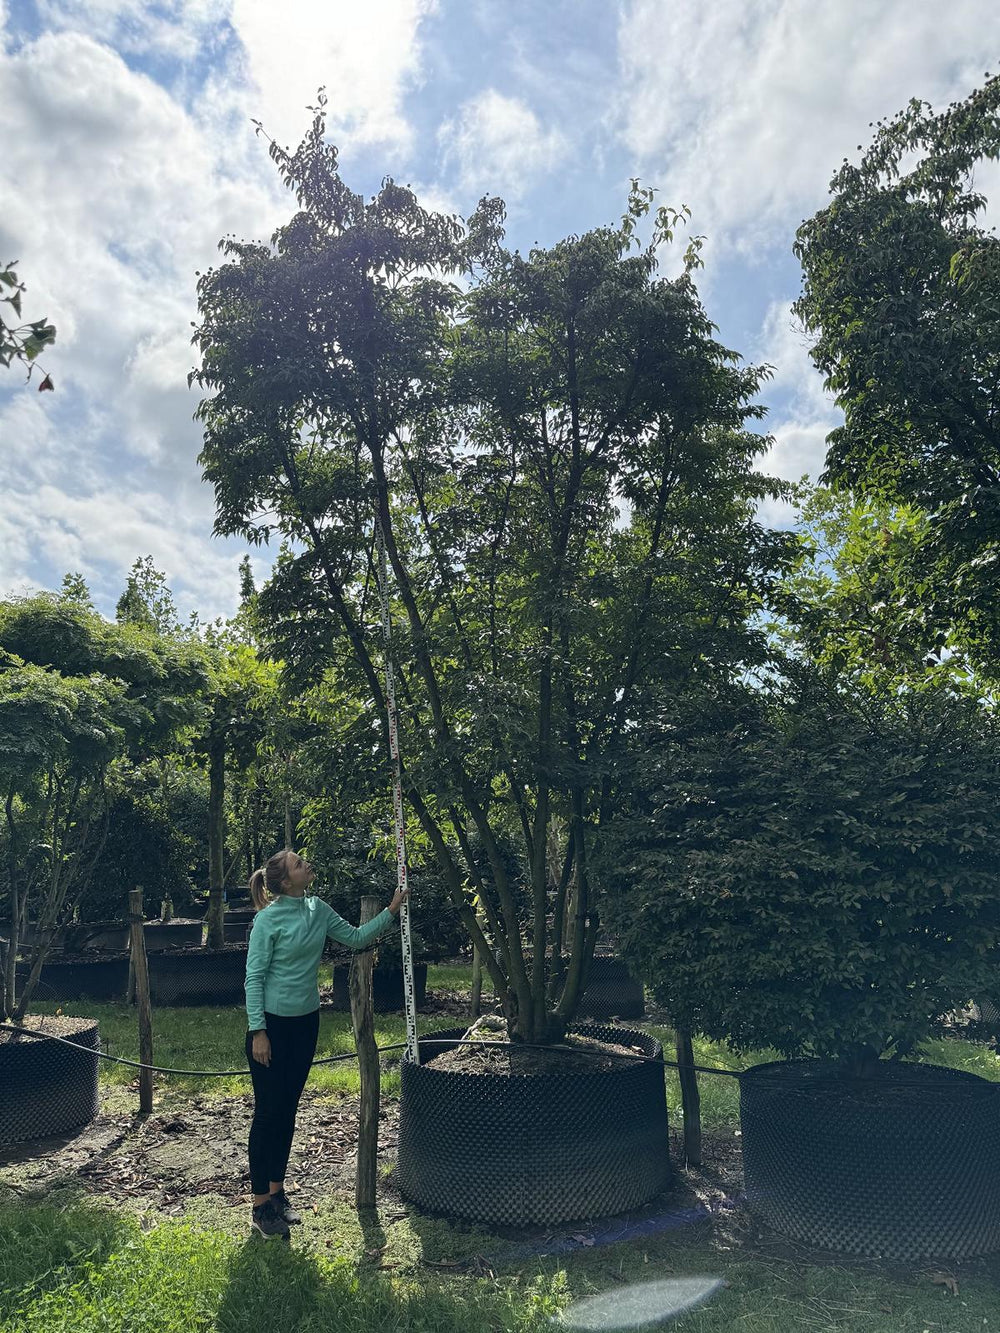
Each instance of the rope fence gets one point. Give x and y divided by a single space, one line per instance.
351 1055
400 1046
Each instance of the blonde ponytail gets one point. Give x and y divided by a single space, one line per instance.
269 881
257 895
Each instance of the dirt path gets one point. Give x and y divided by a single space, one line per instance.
177 1162
164 1160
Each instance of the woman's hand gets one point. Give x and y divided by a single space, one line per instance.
398 899
261 1048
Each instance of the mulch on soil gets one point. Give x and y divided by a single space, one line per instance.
163 1160
574 1052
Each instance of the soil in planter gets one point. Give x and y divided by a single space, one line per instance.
575 1051
51 1025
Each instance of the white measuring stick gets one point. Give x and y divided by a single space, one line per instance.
409 997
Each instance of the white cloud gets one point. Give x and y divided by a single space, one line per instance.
101 533
744 112
113 198
115 193
180 29
498 145
366 55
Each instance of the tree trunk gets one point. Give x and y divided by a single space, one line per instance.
690 1099
477 982
363 1020
8 992
216 831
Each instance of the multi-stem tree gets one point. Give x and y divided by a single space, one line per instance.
560 464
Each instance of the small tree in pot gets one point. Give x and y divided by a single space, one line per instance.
817 875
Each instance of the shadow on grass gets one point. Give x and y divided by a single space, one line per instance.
40 1242
74 1266
278 1286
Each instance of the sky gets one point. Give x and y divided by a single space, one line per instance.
128 152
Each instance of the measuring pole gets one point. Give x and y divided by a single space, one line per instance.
409 997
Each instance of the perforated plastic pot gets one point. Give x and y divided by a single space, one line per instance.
533 1149
45 1087
903 1167
612 991
201 976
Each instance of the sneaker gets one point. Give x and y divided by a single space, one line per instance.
267 1222
282 1205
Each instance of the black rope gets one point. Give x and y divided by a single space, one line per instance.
352 1055
162 1069
777 1077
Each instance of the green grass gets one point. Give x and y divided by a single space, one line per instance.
455 976
79 1268
72 1265
213 1038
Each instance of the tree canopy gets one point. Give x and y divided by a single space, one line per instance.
814 872
901 290
561 461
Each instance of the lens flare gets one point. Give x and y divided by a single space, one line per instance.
643 1305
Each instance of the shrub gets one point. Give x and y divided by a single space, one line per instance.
818 873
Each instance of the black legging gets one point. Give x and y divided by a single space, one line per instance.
277 1088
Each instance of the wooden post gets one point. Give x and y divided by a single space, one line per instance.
363 1020
690 1099
140 967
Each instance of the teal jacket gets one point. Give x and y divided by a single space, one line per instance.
286 944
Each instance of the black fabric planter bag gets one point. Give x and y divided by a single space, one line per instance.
904 1167
533 1149
96 936
45 1087
172 935
612 992
80 978
202 976
387 987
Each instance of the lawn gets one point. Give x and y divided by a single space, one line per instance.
76 1256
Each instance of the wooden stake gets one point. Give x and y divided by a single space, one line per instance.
690 1099
363 1020
140 967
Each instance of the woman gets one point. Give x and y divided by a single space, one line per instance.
286 944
